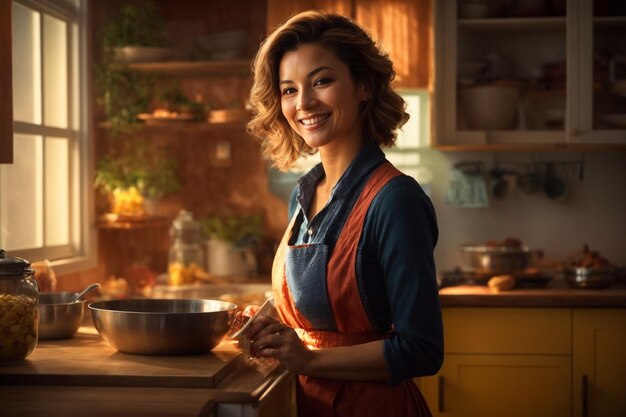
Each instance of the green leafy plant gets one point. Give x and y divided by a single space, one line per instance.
152 173
137 24
239 230
124 94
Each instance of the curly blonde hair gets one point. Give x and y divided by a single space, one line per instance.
381 115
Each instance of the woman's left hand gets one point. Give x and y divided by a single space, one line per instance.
270 338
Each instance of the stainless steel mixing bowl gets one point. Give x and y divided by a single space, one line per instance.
163 327
58 317
579 277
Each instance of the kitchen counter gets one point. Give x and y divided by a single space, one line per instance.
70 377
555 294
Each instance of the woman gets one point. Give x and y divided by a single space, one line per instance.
354 277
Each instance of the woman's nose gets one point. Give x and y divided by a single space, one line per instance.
306 101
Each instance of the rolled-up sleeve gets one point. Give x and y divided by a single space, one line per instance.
401 231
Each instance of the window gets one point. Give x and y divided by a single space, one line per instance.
45 195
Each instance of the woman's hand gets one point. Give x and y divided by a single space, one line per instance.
270 338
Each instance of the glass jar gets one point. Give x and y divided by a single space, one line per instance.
186 256
19 295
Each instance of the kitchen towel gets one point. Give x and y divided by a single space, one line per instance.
467 187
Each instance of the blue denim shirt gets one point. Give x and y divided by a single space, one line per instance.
395 264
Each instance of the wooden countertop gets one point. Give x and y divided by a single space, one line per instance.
555 294
74 375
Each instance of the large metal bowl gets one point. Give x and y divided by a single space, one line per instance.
163 327
58 318
495 259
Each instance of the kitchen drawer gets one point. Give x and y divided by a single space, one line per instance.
508 331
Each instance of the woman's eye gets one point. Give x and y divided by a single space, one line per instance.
322 81
288 90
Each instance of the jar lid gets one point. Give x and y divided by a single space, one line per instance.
13 266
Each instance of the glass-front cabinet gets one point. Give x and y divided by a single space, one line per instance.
530 74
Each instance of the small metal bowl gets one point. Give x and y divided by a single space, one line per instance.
163 327
58 317
588 277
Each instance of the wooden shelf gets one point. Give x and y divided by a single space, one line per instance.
241 68
185 126
147 222
535 147
525 24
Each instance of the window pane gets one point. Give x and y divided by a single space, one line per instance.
26 65
55 72
21 193
57 178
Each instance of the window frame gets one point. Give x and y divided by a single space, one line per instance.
80 253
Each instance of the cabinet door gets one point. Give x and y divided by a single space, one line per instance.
500 385
504 74
602 66
599 362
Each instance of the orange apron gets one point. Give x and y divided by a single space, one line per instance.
319 397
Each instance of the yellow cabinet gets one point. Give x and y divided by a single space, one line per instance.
531 362
599 363
503 362
501 385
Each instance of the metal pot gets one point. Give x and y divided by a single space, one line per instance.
588 277
495 259
59 316
163 327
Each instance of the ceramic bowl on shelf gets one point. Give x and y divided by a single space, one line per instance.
490 107
132 54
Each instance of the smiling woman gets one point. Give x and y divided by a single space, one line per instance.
44 197
353 277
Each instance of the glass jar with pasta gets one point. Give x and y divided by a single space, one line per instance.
19 295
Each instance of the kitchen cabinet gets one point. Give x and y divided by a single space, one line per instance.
530 362
599 365
6 86
538 79
401 27
503 361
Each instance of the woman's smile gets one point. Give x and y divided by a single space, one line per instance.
313 122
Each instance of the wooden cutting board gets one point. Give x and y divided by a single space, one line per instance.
88 360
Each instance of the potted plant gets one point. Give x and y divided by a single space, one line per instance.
134 177
230 244
136 33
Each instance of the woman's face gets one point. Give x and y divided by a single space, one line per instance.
319 99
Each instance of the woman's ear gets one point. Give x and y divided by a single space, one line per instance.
365 91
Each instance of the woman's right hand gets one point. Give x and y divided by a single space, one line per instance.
269 338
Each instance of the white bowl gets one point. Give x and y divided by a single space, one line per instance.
490 107
131 54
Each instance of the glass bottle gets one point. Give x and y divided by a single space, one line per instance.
19 319
186 256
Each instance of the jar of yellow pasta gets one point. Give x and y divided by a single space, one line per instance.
19 295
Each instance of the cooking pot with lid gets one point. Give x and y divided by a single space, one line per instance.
495 259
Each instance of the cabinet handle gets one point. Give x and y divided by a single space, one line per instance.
584 386
440 398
